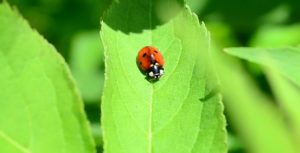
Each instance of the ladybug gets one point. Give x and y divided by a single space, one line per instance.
151 61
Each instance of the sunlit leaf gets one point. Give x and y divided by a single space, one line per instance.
40 110
180 113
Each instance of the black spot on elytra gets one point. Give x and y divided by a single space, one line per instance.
144 55
155 51
140 63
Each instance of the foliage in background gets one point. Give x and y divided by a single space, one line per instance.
61 20
253 114
257 23
87 65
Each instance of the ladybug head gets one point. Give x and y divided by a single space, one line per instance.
155 71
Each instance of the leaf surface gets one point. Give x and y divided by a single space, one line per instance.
41 111
179 113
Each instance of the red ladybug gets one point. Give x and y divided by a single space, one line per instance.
151 61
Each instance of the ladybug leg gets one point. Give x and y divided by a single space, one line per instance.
151 74
161 71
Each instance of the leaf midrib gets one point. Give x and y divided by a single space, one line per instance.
152 90
150 134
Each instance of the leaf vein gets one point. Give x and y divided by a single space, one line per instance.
14 142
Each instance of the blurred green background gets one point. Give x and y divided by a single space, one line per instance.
72 26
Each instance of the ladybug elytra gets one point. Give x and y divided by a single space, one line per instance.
151 61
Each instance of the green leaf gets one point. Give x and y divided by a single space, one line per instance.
40 111
180 113
252 114
284 60
87 65
288 97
